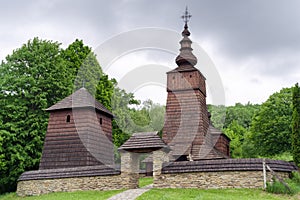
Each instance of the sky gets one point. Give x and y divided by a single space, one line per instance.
254 44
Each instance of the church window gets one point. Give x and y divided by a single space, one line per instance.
68 119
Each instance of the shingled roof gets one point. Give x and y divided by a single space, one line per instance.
185 68
79 99
143 142
252 164
98 170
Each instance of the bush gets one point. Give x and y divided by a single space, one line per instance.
296 177
277 187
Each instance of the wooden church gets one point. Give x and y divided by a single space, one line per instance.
78 151
80 131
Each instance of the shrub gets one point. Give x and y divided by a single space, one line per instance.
296 177
277 187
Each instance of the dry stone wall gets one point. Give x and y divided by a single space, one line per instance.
38 187
208 180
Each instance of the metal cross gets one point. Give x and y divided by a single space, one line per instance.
186 17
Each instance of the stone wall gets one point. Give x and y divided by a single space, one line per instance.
114 182
222 173
206 180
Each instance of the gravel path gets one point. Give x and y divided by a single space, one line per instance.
131 194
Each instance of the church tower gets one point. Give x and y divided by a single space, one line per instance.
79 133
187 121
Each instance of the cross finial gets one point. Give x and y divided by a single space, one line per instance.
186 16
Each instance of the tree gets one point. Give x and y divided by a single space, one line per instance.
240 113
296 125
271 125
222 116
236 133
149 117
234 121
33 78
157 116
218 114
84 67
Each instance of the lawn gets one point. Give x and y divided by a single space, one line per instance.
145 181
162 194
212 194
91 195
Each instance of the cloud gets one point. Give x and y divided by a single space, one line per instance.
255 41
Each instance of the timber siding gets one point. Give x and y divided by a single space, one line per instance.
79 133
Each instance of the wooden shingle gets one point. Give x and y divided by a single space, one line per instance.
252 164
79 99
99 170
143 142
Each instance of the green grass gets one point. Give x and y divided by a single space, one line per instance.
91 195
212 194
145 181
163 194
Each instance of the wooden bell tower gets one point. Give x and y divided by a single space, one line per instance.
79 133
186 129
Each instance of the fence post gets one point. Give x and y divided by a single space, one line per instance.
265 173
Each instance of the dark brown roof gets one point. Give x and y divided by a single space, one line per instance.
208 149
205 151
250 164
99 170
185 68
216 132
79 99
143 141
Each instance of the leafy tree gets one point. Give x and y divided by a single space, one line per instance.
33 78
296 125
157 116
149 117
240 113
236 133
222 116
218 114
271 125
83 66
234 121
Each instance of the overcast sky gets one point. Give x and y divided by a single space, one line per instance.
254 44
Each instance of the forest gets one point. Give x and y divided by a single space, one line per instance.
41 72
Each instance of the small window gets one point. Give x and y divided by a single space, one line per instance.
100 121
182 158
191 76
173 77
68 119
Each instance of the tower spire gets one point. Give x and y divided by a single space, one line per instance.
186 57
